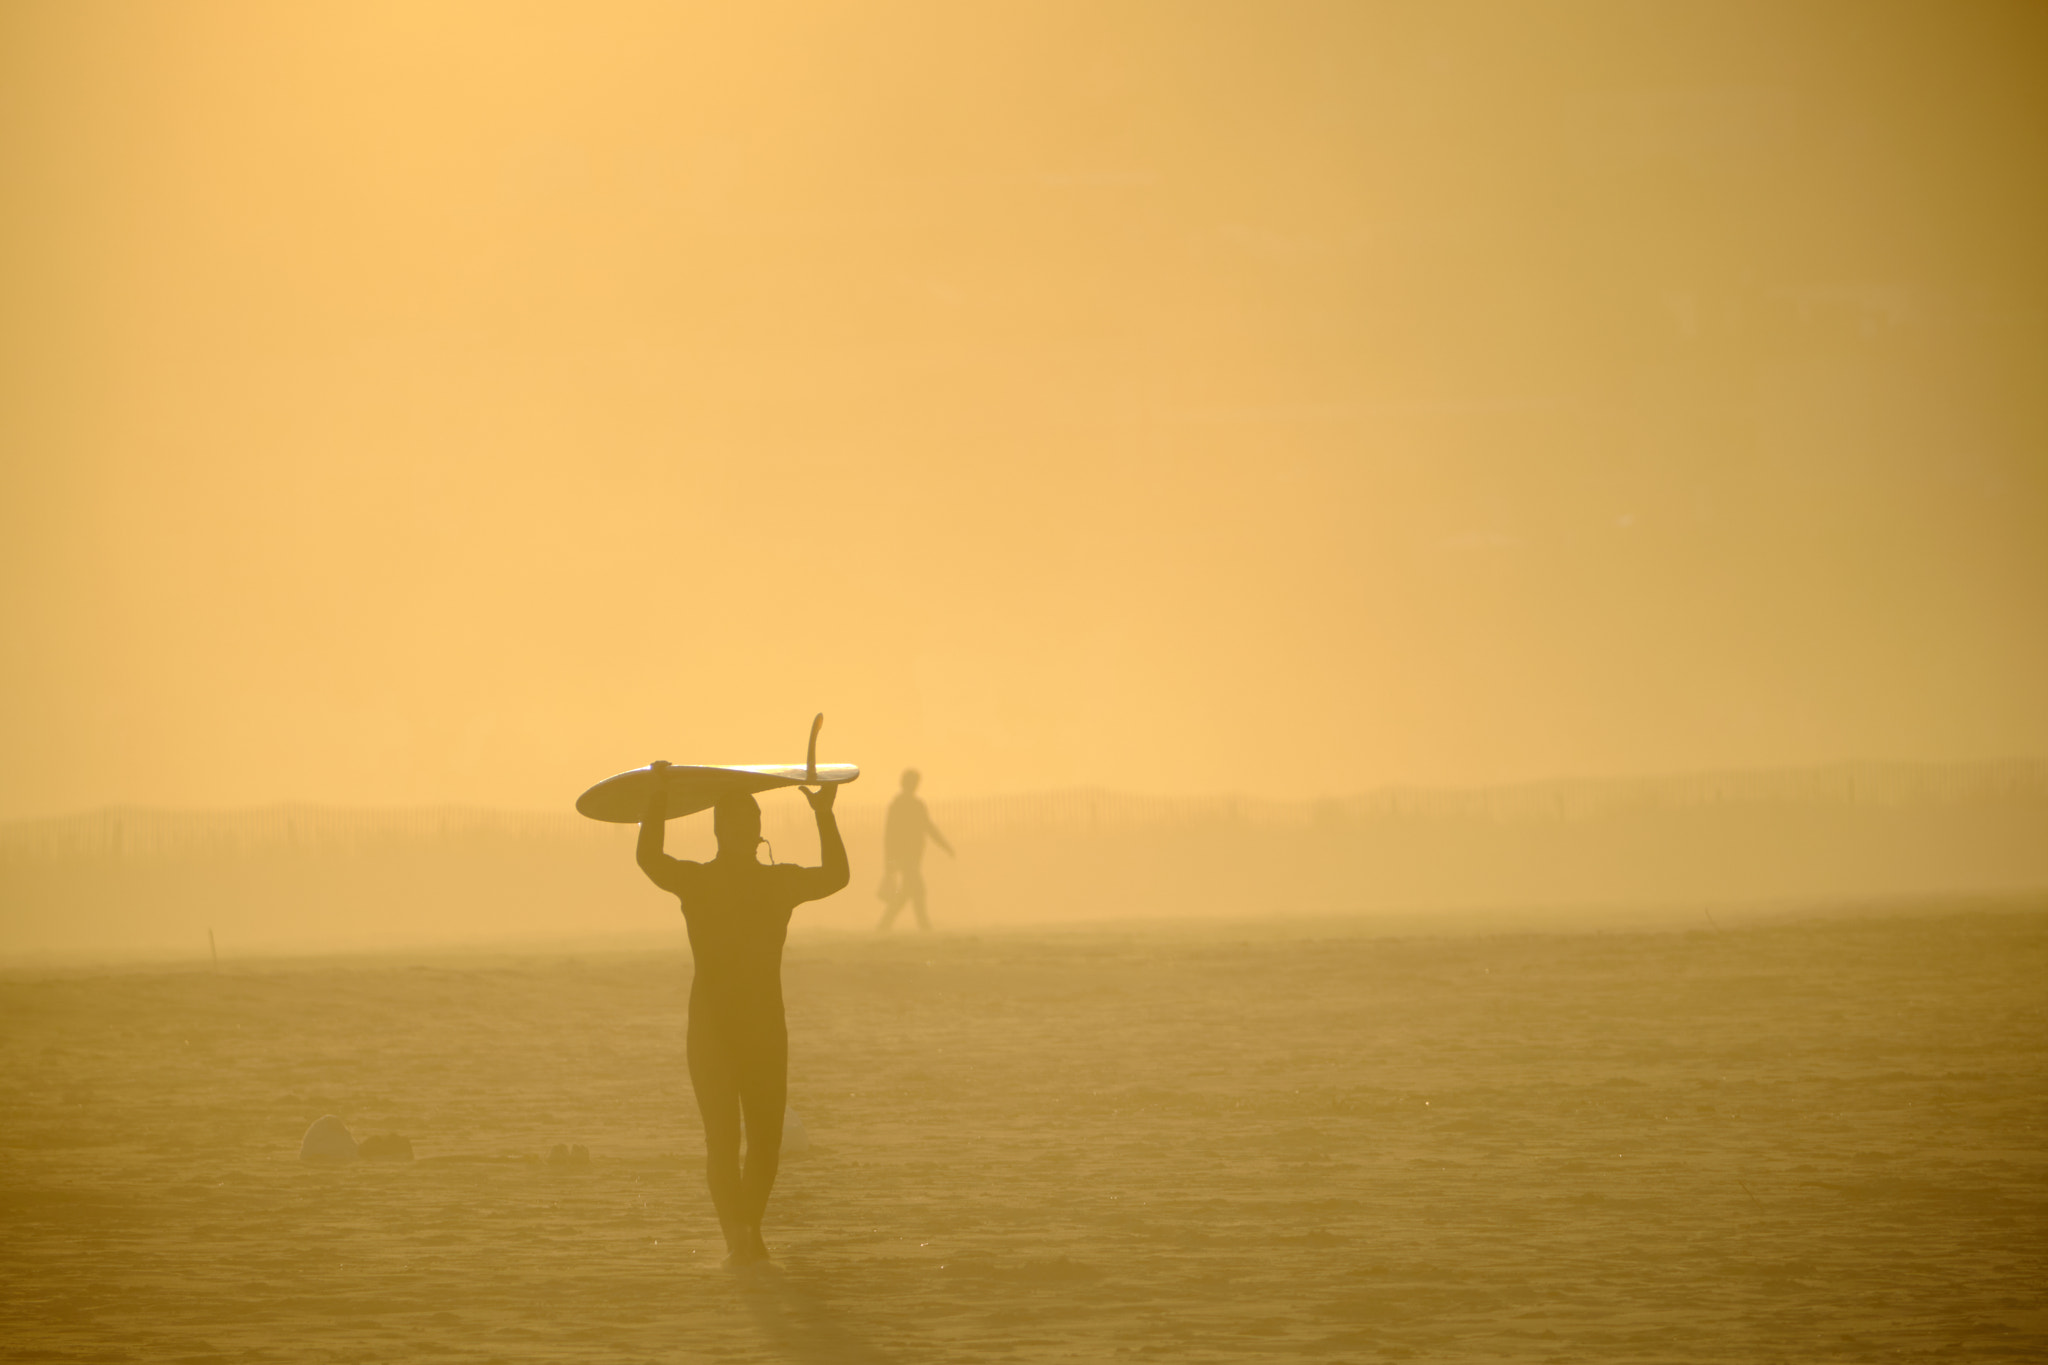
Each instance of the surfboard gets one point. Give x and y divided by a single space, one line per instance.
621 799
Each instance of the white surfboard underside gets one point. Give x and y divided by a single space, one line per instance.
621 799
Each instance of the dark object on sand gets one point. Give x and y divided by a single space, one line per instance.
327 1140
385 1147
579 1155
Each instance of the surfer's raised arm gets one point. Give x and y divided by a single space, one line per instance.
659 867
834 874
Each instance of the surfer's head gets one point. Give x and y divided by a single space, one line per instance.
736 820
911 777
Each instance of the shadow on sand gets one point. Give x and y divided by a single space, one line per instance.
797 1321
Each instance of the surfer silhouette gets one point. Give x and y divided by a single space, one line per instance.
738 910
909 825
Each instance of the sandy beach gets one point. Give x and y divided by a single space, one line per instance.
1798 1139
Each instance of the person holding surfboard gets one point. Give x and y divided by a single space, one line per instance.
737 909
909 824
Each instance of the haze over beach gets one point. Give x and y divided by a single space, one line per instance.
1468 582
419 404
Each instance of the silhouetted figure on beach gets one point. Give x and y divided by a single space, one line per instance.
738 912
909 825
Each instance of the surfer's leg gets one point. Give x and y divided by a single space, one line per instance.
713 1076
764 1094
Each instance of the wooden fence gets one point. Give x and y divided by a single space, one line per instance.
124 833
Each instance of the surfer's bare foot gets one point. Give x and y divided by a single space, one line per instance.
743 1246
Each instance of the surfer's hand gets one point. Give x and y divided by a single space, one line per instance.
821 800
659 765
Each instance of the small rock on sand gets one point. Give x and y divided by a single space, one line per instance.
327 1140
385 1147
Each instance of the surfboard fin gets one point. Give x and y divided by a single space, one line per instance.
811 759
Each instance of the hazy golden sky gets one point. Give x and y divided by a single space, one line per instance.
419 402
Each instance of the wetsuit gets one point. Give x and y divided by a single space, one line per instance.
738 914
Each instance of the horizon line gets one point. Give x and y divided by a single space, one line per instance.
2028 771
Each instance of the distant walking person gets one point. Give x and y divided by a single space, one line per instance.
910 824
738 912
